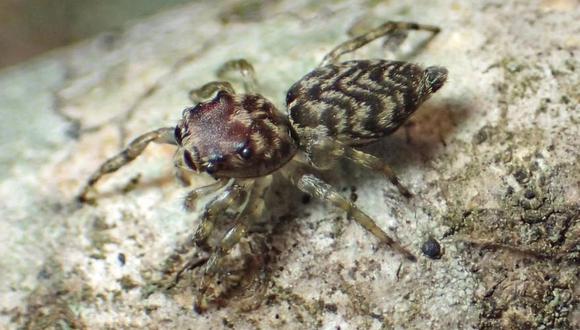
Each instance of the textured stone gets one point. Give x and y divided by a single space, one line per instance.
505 124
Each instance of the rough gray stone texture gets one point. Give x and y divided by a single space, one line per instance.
492 159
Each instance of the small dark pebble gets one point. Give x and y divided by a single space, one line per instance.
122 259
431 248
331 308
530 194
510 190
521 176
480 137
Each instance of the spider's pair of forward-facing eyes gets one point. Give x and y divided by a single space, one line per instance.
243 150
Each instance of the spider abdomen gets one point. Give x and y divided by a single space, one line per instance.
357 102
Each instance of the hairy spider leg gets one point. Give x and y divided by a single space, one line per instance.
182 172
234 197
324 153
385 29
246 71
204 92
250 212
193 196
244 68
134 149
316 187
376 164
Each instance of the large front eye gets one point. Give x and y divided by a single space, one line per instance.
211 168
177 134
188 159
245 151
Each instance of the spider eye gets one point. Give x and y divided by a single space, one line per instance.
245 151
189 160
211 168
177 134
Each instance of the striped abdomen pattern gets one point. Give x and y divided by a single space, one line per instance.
356 102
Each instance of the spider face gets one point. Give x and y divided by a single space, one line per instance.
236 136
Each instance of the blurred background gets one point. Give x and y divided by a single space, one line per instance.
31 27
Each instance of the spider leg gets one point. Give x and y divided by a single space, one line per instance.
251 211
233 197
324 152
134 149
316 187
376 164
197 193
184 248
182 176
182 172
385 29
246 70
206 91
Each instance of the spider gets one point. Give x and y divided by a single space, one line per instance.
241 140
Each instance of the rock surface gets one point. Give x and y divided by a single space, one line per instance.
492 159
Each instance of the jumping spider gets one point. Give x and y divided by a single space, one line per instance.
241 140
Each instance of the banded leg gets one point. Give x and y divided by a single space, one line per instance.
314 186
206 91
253 210
323 153
383 30
212 208
134 149
246 70
194 195
233 197
376 164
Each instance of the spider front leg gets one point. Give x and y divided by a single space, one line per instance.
212 210
246 70
182 172
384 30
206 91
250 211
316 187
234 198
134 149
197 193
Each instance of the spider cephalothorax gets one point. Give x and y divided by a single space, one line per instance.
242 140
255 142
